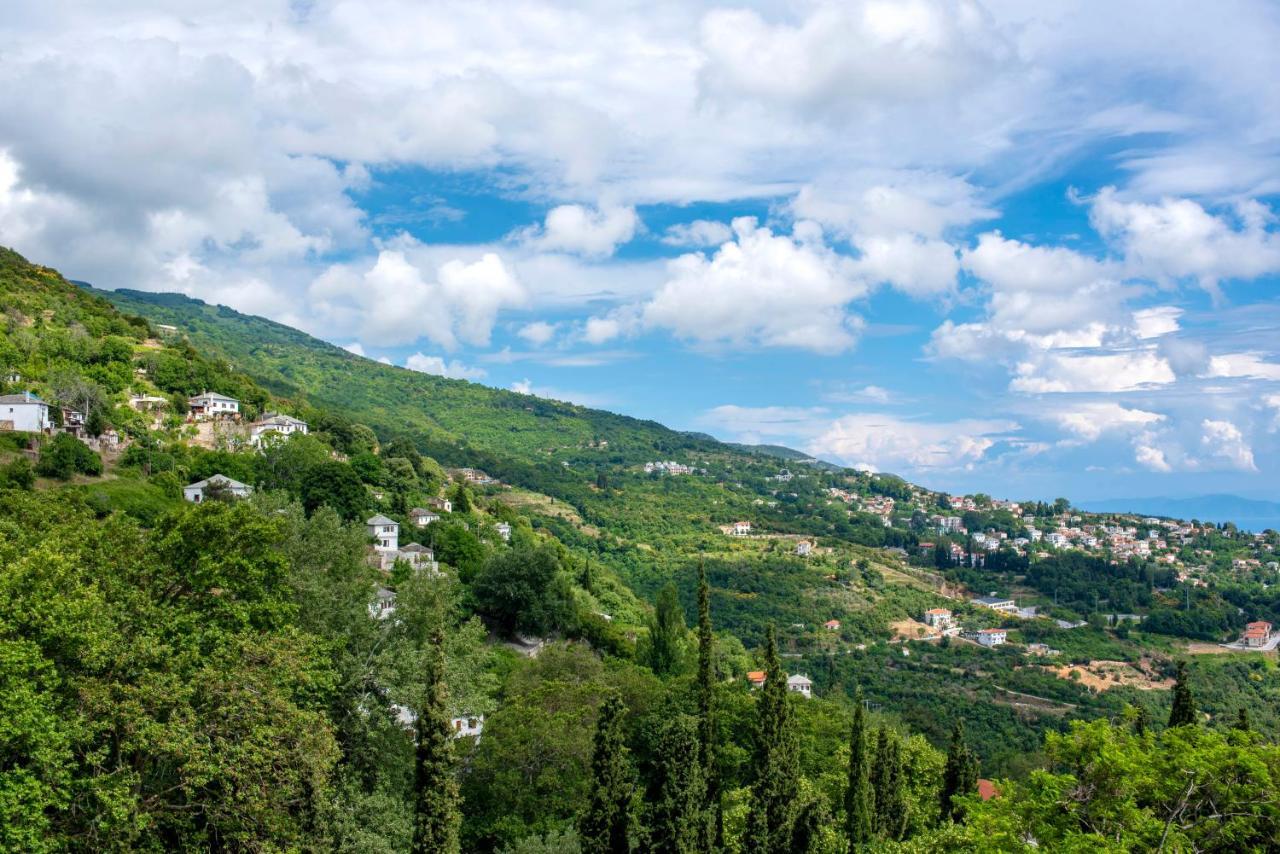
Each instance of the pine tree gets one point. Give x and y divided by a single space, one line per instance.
714 827
960 775
1141 720
857 800
436 815
677 795
1242 720
666 632
1183 712
603 827
776 786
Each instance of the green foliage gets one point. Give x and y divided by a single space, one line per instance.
605 824
523 590
776 772
960 776
858 803
336 486
677 819
1183 712
435 786
666 633
66 456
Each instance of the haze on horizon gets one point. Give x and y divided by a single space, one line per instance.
1023 248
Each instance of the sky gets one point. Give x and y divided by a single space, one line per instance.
1026 248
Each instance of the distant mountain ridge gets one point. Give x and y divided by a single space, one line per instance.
1249 513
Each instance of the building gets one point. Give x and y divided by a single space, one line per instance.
756 678
198 491
1256 634
832 625
504 530
383 604
385 533
1042 649
24 413
991 637
73 422
938 618
470 726
996 603
147 402
800 685
804 548
274 422
740 529
422 517
418 557
443 505
208 405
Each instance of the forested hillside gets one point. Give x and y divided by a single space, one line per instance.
610 637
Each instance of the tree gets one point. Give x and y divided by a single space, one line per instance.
1183 712
776 786
1242 719
435 787
335 485
666 632
677 792
606 821
521 590
960 775
65 457
461 499
858 802
888 786
713 829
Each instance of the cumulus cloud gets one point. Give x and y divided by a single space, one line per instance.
698 234
538 333
437 365
914 265
1059 373
883 442
582 230
356 348
394 301
1090 420
1224 441
1176 238
762 289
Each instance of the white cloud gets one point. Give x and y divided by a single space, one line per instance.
1224 441
596 232
764 424
538 333
763 289
914 265
1178 238
887 443
1108 372
1089 421
1246 365
395 302
698 234
1150 457
863 394
356 348
1272 402
436 365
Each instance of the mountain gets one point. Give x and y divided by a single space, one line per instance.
1248 513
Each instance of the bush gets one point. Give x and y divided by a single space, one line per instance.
18 474
67 456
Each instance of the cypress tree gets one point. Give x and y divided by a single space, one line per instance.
603 827
960 776
1183 712
879 779
714 827
436 816
1242 720
461 499
677 814
857 800
894 822
776 786
666 631
1141 721
811 817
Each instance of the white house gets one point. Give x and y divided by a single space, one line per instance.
383 604
209 404
504 530
938 618
418 556
444 505
385 532
470 726
195 493
422 517
800 685
275 422
996 603
740 529
804 548
991 637
24 413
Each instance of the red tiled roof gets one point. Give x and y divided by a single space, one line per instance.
755 675
987 790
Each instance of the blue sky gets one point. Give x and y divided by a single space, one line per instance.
1024 248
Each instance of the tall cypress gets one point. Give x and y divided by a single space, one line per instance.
666 631
436 815
714 827
879 780
857 799
894 821
1141 720
960 775
777 783
603 827
677 812
1242 720
1183 712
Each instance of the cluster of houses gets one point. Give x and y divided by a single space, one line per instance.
668 467
796 683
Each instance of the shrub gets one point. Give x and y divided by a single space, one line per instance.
67 456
